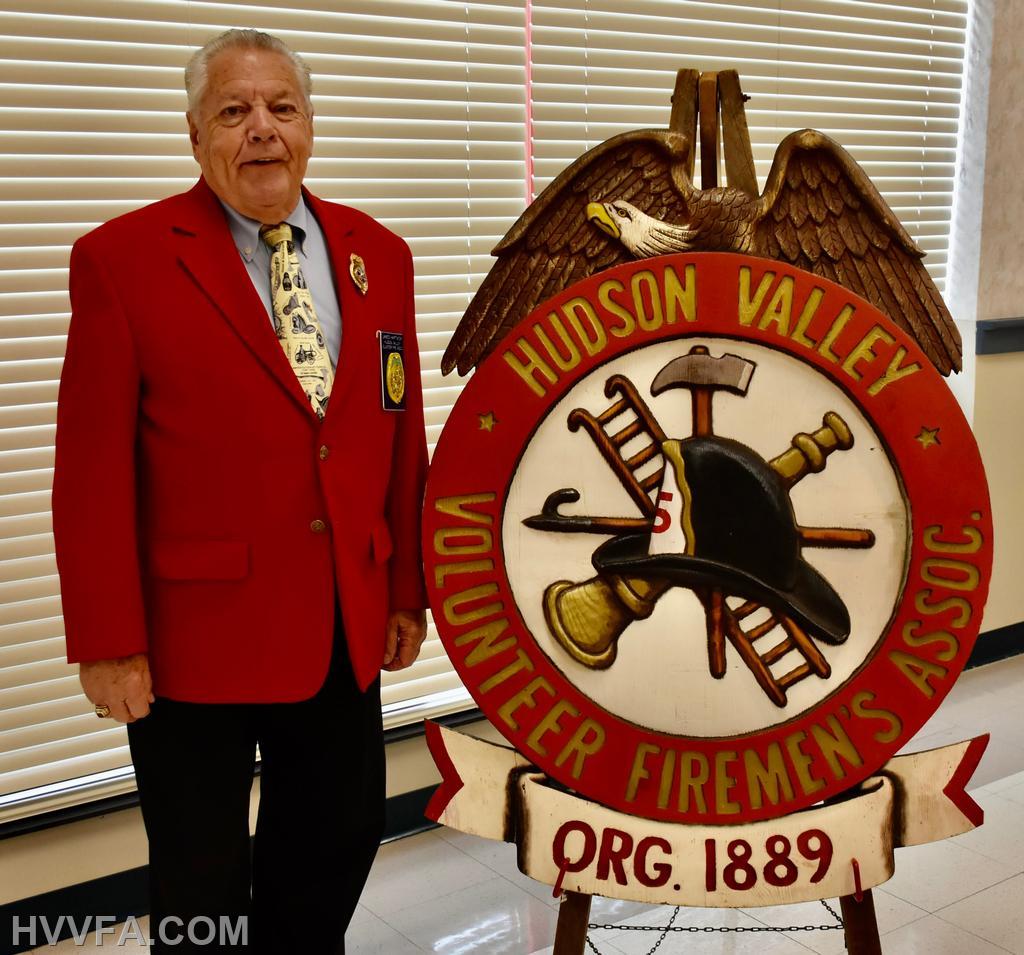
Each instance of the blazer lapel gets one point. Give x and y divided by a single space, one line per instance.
207 253
356 327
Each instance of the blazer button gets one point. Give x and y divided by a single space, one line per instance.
317 526
324 451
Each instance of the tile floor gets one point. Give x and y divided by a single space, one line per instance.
451 894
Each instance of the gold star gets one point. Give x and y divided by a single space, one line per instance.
928 437
487 421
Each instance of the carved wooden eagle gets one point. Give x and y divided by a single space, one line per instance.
632 197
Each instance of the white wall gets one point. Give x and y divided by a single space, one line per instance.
999 379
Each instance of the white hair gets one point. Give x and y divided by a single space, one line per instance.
198 65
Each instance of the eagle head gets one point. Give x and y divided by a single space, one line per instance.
642 234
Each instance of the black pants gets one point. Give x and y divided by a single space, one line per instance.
321 815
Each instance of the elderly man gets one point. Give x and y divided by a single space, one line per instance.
239 478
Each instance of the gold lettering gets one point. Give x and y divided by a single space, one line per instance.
587 740
748 308
694 772
779 308
767 779
681 295
457 617
534 364
969 578
724 806
951 644
441 571
486 642
444 536
604 295
971 546
836 329
931 609
523 698
668 773
457 507
521 662
918 671
571 309
809 311
864 350
549 724
860 709
894 372
656 318
834 744
639 772
572 359
801 763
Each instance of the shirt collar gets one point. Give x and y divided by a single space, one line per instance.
246 231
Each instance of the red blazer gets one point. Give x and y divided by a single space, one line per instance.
192 475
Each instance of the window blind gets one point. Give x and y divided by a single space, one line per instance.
419 112
422 113
884 79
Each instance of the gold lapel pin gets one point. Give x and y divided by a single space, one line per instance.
357 269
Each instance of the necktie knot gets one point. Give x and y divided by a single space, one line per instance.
274 235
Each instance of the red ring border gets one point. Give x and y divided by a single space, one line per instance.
944 484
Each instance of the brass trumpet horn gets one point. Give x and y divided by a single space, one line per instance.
587 619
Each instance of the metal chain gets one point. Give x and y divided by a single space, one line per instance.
664 932
834 914
669 927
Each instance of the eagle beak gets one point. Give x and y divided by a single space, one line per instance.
598 214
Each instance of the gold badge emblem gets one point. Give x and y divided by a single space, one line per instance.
357 269
395 378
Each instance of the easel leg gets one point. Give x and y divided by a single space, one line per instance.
861 927
573 918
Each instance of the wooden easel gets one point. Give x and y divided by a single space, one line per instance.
714 101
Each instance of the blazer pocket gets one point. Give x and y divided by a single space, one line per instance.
199 560
381 542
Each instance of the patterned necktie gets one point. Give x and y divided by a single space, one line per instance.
295 321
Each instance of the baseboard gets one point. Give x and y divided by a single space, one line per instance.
126 894
998 645
120 895
403 815
998 336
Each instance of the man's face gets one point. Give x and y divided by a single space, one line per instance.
253 136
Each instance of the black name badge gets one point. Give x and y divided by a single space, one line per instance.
392 371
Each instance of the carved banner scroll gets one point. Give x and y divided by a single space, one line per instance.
835 849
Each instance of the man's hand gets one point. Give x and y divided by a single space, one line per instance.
123 684
405 633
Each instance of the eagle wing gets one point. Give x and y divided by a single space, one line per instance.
821 212
553 245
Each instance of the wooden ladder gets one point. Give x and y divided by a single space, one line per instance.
796 640
642 490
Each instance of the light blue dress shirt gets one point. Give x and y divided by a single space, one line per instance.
314 261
